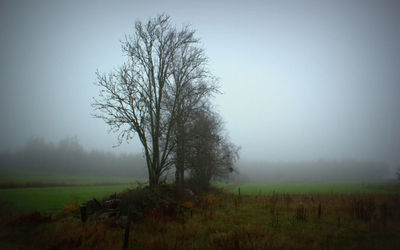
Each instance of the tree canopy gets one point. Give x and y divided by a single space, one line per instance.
156 92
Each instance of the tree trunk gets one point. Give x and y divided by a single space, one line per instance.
154 179
153 176
180 154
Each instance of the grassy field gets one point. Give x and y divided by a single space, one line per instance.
389 187
336 215
51 199
227 221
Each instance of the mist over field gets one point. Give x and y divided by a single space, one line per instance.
186 124
310 89
69 157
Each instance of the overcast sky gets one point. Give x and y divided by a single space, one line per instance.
302 80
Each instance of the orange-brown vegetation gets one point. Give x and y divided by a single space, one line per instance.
70 208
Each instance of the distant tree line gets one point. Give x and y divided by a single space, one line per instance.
69 157
321 170
161 95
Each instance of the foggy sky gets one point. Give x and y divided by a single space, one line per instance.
302 80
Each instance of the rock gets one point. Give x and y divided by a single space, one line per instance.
111 204
93 206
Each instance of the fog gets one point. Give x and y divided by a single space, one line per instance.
69 157
302 81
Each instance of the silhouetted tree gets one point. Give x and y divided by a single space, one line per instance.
210 155
193 84
142 97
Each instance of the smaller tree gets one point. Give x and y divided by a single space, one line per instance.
192 86
210 154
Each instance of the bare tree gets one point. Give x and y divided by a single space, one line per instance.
193 86
141 98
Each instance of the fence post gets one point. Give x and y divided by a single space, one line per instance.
83 213
127 229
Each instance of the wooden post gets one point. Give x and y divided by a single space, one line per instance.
239 191
127 229
319 210
83 213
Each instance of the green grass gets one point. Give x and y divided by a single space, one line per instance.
321 188
50 200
